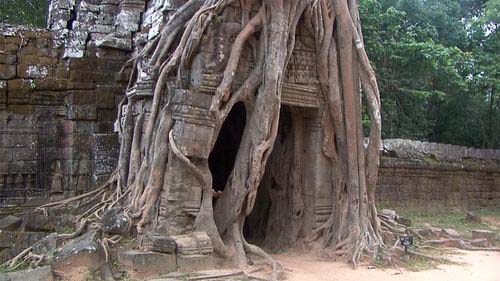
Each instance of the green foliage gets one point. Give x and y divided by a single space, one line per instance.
446 219
438 68
24 12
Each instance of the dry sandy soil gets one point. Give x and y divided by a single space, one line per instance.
480 266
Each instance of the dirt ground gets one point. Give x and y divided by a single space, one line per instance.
480 266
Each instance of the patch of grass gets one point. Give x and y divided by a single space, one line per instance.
19 266
417 263
450 219
67 229
90 275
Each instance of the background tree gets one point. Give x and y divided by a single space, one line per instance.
24 12
437 64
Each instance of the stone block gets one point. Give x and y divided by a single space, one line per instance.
195 243
35 51
37 60
37 221
10 223
85 250
7 59
104 115
19 240
32 71
482 243
484 234
159 243
85 6
114 221
6 154
9 48
150 262
25 85
7 238
105 98
90 76
43 273
22 167
7 71
82 112
17 40
108 9
128 21
24 154
104 153
192 263
111 41
82 98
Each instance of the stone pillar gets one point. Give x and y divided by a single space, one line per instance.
317 175
193 132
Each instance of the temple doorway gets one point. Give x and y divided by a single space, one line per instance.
277 218
223 155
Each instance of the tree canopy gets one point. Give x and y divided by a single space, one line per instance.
438 65
26 12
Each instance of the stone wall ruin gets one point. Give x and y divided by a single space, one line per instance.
60 93
60 89
425 175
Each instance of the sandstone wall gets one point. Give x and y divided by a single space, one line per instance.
428 175
56 115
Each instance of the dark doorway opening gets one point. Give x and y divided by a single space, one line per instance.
222 157
264 226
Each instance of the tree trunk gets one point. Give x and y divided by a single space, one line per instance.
269 30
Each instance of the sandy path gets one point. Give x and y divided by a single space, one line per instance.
480 266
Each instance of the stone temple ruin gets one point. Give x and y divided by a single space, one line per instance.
60 92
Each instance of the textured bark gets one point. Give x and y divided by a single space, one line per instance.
347 82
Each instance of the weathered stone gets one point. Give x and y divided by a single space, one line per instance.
128 21
36 60
23 85
111 41
37 221
195 243
47 245
10 223
85 6
32 71
17 241
7 59
482 243
82 112
451 233
105 153
43 273
484 234
190 263
7 71
85 250
10 49
148 261
158 243
108 9
114 221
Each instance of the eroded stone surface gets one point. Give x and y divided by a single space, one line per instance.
114 221
148 261
83 251
37 274
10 223
190 263
490 236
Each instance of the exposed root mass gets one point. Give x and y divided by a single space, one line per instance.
269 29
